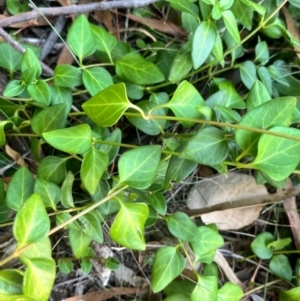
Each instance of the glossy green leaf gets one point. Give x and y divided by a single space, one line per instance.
207 288
278 111
41 248
257 95
260 245
181 66
230 292
14 88
52 169
10 58
277 156
158 201
133 68
67 76
30 60
20 188
93 166
128 226
168 264
49 119
209 146
39 277
182 227
11 282
79 242
66 191
49 192
80 38
280 266
108 106
64 217
137 167
185 6
209 241
40 92
73 140
96 79
61 95
248 73
231 25
31 223
92 226
203 43
290 295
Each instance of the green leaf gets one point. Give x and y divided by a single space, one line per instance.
10 58
65 266
248 73
207 288
203 42
92 226
93 166
39 277
260 245
81 39
30 60
177 297
182 227
50 193
96 79
209 146
79 242
290 295
61 95
14 88
209 242
31 223
185 6
108 106
262 52
20 188
278 111
73 140
189 22
137 167
128 226
40 92
277 156
2 132
66 191
181 66
52 169
230 292
186 102
41 248
244 12
231 25
28 76
112 263
16 7
257 95
280 243
168 264
217 50
158 201
49 119
67 76
11 282
280 266
133 68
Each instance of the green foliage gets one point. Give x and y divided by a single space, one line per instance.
180 104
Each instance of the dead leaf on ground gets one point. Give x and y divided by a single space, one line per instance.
65 57
221 189
15 155
105 17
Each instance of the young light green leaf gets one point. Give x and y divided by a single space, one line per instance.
79 242
203 42
108 106
66 191
278 111
231 25
52 169
14 88
257 95
73 140
20 188
181 66
40 92
10 58
31 223
133 68
277 156
81 39
137 167
67 76
92 226
280 243
248 73
29 60
209 146
93 166
207 288
11 282
96 79
49 192
168 264
230 292
128 226
39 277
41 248
260 245
182 227
281 267
49 119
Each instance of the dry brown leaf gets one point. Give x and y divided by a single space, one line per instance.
65 57
15 155
221 189
105 17
162 26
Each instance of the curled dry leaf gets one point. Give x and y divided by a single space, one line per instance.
15 155
221 189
